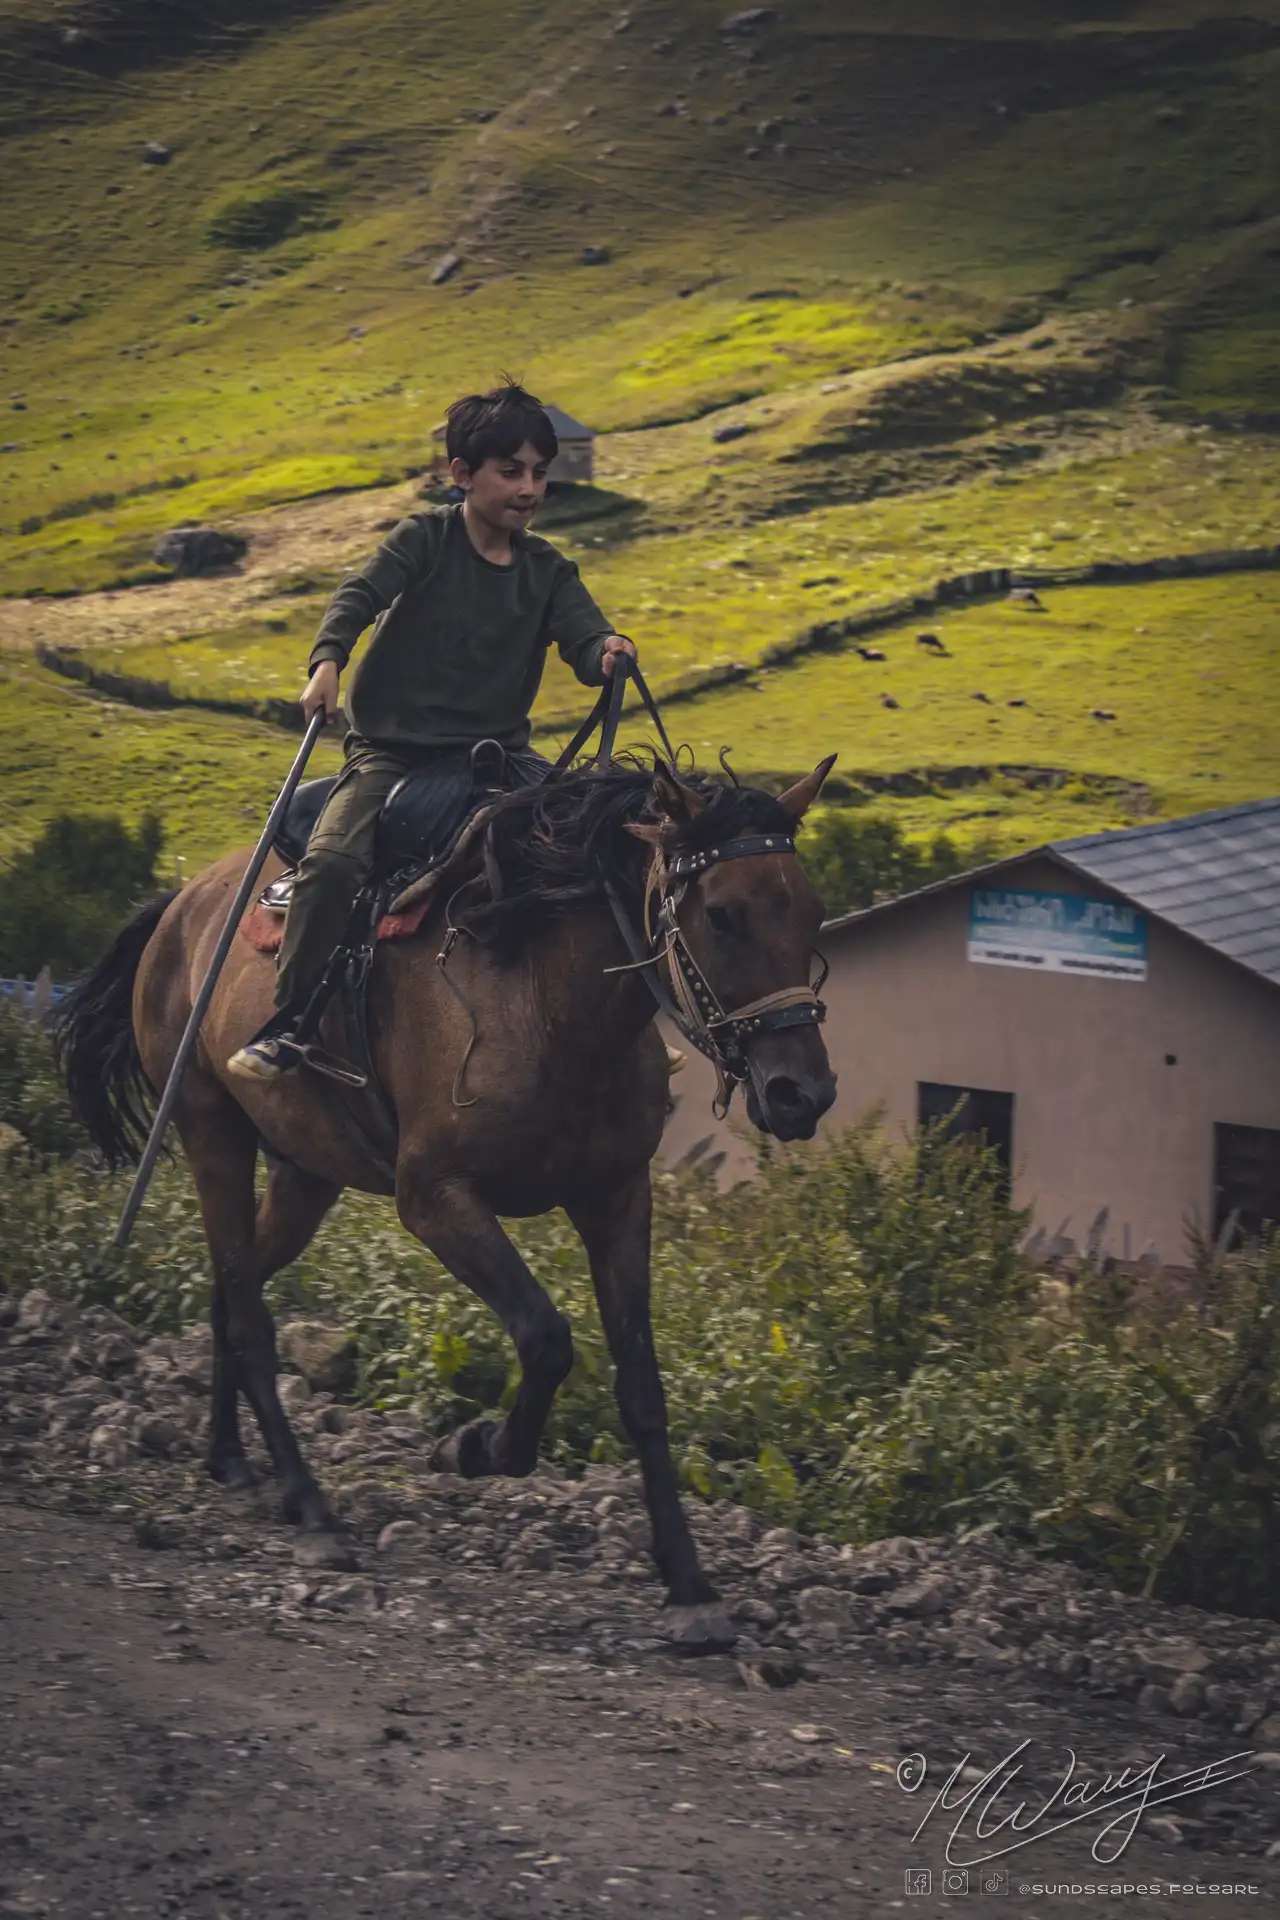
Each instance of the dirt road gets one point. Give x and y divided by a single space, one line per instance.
491 1747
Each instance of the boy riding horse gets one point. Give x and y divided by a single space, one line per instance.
466 602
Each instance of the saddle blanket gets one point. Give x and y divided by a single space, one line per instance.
263 926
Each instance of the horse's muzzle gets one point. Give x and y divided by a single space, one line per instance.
788 1108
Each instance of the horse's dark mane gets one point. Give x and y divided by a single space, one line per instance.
551 848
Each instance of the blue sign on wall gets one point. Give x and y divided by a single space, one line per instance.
1057 933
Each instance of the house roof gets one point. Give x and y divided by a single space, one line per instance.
563 424
566 427
1214 876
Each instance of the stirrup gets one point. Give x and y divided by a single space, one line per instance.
323 1062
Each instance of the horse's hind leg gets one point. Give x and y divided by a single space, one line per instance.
247 1245
465 1236
615 1227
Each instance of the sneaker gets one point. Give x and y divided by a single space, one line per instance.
675 1059
263 1059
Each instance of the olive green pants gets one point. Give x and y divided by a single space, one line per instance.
337 863
339 858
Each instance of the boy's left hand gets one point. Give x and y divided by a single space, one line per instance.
613 646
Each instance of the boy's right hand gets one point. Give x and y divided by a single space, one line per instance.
321 691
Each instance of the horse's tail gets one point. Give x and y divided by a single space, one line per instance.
98 1050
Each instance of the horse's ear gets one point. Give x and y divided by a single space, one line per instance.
679 803
797 800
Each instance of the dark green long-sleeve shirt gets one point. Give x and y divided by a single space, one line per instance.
459 643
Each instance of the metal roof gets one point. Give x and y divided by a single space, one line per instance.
565 426
1214 876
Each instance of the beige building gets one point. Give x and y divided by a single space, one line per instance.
1111 1007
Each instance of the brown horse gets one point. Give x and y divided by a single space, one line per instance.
563 1103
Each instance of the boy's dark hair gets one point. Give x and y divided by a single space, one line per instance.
494 425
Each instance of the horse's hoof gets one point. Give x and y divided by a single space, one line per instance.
330 1552
466 1452
232 1472
702 1629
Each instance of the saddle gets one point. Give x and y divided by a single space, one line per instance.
424 825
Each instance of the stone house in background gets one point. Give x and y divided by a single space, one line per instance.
1109 1009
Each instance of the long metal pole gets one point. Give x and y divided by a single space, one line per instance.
155 1140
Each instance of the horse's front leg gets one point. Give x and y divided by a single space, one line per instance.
615 1227
464 1234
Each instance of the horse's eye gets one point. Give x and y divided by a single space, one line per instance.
720 920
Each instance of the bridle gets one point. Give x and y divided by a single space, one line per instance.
691 1002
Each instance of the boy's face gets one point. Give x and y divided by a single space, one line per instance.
506 492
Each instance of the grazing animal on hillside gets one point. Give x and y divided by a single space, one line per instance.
1027 597
1101 713
984 697
565 1073
869 653
887 700
932 641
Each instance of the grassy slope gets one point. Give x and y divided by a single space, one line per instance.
909 214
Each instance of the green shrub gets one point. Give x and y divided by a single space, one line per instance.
856 857
264 217
854 1343
32 1096
63 899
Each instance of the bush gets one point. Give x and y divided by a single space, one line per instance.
855 858
62 900
856 1343
263 218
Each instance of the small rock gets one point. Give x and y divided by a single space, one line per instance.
1186 1695
1165 1660
358 1591
769 1672
747 20
595 256
156 1434
9 1138
38 1313
1154 1699
445 268
780 1540
756 1612
1270 1763
156 154
1166 1827
326 1357
110 1446
109 1355
822 1604
731 430
921 1601
397 1530
1267 1732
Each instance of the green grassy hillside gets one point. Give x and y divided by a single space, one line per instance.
963 294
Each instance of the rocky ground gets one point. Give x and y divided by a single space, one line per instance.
484 1716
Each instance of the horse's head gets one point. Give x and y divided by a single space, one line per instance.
748 918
